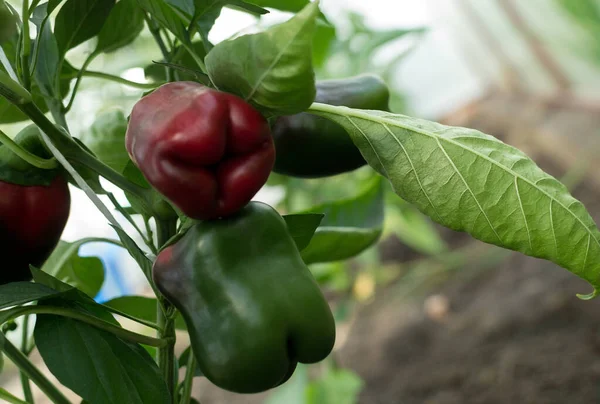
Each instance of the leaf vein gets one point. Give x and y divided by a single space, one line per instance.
468 189
523 211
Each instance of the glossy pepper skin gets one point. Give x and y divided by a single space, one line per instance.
32 216
310 146
206 151
252 308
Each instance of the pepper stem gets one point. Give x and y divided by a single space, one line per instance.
165 316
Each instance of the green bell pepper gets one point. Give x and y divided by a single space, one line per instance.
310 146
252 308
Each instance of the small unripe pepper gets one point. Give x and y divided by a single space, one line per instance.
32 215
310 146
251 306
207 151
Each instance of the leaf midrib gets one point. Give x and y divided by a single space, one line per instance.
381 120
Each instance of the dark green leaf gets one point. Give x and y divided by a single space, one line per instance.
106 138
157 72
164 14
80 20
46 68
84 273
272 69
17 293
349 227
99 367
472 182
302 227
285 5
143 308
123 25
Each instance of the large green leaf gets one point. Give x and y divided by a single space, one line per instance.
123 25
84 273
349 227
97 365
17 293
470 181
80 20
271 69
106 138
302 227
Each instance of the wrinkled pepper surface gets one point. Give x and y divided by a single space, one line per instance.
310 146
252 308
34 208
206 151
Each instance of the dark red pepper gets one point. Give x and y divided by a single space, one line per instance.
207 151
32 219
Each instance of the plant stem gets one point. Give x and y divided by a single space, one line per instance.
9 398
31 371
122 333
186 395
36 161
80 74
165 316
13 91
24 379
26 47
117 79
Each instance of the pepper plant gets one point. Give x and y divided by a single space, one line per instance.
215 120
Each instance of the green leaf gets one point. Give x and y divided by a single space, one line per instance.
106 138
292 6
302 227
123 25
166 17
84 273
143 308
472 182
99 367
324 37
17 293
157 72
349 227
337 386
272 69
80 20
46 68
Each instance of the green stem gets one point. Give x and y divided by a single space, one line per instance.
13 91
36 161
122 333
80 74
31 371
186 395
9 398
24 379
117 79
26 47
165 315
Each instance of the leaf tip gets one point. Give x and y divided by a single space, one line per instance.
589 296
